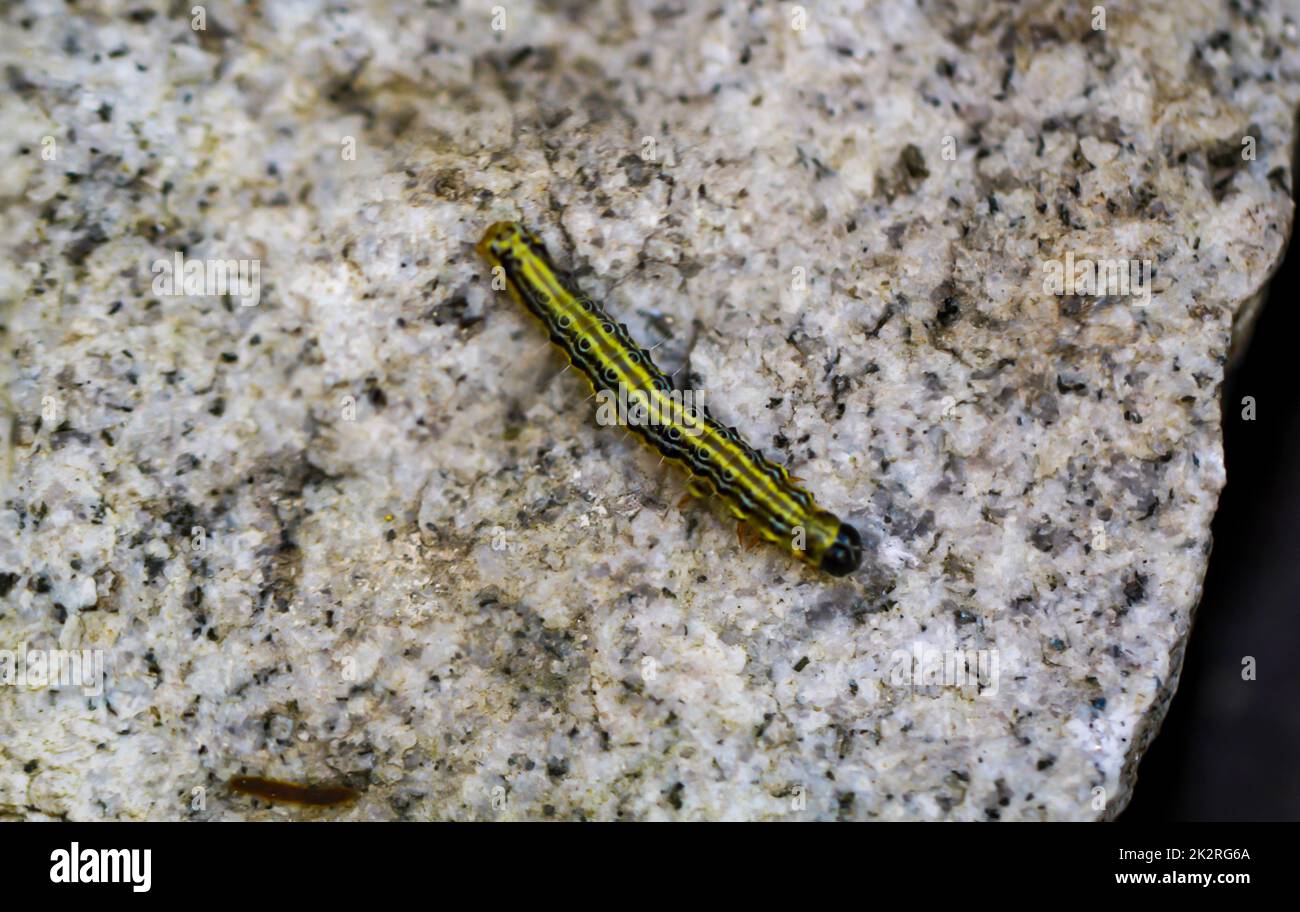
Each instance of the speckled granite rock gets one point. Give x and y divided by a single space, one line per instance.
425 573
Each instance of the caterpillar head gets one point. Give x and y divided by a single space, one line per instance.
845 553
834 546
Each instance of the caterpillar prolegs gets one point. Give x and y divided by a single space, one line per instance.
757 491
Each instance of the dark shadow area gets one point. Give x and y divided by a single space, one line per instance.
1230 748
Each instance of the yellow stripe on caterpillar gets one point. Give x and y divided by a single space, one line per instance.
719 462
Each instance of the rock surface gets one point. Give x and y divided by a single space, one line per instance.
363 531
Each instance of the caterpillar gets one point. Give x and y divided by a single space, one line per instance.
292 792
760 493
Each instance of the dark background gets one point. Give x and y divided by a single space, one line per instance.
1230 749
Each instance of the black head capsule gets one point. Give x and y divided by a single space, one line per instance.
845 555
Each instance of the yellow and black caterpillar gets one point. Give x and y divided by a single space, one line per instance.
757 491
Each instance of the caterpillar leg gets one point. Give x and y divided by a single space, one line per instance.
748 540
699 487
